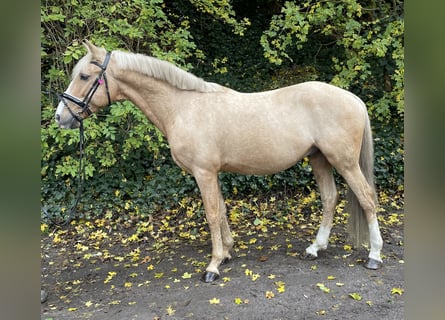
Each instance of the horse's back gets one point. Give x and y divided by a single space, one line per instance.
266 132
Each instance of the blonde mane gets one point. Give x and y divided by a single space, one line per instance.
163 70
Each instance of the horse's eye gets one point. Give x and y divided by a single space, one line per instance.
84 77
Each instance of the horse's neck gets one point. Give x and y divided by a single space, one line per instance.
153 97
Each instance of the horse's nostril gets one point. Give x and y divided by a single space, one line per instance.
57 117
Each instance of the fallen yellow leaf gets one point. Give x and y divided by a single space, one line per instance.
214 301
355 296
170 311
255 276
323 287
89 303
398 291
339 284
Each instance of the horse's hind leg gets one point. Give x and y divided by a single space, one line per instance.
365 195
323 175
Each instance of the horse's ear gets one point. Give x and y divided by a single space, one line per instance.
95 51
90 47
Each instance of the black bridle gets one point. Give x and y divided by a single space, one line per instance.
84 104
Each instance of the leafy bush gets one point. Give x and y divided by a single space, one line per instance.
127 161
368 55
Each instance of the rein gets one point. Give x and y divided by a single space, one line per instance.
83 104
80 180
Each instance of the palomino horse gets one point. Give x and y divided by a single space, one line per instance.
211 128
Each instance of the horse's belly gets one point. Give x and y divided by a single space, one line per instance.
262 163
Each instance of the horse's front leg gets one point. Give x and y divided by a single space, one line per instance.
214 206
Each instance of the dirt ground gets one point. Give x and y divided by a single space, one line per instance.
264 280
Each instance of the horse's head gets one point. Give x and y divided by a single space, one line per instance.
90 88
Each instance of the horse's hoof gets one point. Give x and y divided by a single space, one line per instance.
209 276
307 256
225 261
373 264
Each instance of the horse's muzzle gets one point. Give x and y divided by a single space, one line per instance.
70 123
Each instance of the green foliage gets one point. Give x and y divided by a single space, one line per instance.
249 46
122 137
368 41
222 9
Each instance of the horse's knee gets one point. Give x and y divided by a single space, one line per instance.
214 220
